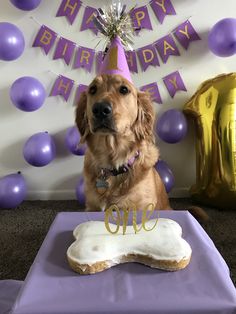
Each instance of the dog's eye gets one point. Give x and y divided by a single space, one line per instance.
93 90
123 90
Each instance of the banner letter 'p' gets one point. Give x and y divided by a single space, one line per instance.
140 18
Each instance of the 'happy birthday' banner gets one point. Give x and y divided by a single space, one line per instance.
173 82
164 48
139 16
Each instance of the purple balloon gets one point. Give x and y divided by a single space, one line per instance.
166 174
26 5
12 42
171 126
27 93
12 190
222 38
79 191
72 141
40 149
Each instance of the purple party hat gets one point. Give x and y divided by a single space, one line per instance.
115 25
115 60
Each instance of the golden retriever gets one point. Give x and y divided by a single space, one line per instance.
116 121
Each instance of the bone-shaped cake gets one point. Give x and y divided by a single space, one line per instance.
95 249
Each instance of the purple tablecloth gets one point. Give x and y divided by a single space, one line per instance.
52 287
9 290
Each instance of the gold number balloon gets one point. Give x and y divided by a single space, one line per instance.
213 108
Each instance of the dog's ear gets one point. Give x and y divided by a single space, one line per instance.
81 117
143 126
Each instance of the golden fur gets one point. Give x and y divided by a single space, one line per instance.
133 116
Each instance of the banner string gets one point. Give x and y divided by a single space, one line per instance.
77 84
50 71
185 20
132 7
35 20
172 81
58 36
98 51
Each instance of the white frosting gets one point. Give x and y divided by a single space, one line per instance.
95 244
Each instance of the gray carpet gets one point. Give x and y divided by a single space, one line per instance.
22 231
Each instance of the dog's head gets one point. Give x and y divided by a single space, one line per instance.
112 105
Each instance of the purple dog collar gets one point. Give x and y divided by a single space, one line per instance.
106 173
102 183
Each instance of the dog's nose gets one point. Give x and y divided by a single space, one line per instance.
102 110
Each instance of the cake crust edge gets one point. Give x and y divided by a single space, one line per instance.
168 265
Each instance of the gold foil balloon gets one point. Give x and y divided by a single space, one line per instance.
213 108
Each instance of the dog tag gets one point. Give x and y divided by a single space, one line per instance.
102 186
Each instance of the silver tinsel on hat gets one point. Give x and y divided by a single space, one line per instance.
115 21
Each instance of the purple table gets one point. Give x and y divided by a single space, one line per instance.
52 287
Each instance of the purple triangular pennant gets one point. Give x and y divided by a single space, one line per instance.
70 9
166 47
62 86
185 33
84 58
132 61
148 56
87 22
80 89
174 83
153 90
45 39
99 61
64 50
161 8
140 18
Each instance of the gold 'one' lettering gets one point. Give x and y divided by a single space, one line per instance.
134 221
125 219
113 213
146 217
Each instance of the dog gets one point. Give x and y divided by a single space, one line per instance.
117 123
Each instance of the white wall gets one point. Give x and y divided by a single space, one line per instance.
57 180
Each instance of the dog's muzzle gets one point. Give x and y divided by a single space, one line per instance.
103 116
